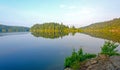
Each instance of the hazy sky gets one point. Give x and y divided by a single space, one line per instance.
70 12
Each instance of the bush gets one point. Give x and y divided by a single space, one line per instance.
77 57
109 48
74 61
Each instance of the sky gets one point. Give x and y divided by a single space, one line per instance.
69 12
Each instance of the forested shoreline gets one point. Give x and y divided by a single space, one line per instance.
106 26
111 26
53 27
5 28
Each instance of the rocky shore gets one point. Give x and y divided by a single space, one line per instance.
102 62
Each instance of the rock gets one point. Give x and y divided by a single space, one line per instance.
102 62
101 66
89 67
68 69
93 61
115 60
87 64
103 57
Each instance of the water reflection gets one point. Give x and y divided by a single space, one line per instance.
113 36
51 35
13 33
26 52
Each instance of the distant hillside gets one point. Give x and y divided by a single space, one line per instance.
112 25
5 28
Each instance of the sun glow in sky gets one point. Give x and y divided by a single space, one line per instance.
69 12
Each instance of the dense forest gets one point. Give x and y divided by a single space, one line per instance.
52 30
112 26
53 27
5 28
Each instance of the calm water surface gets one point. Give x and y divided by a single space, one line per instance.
24 51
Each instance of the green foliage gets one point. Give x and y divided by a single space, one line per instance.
4 28
52 27
49 27
112 26
52 30
109 30
109 48
77 57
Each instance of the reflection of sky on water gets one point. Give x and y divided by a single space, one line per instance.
26 52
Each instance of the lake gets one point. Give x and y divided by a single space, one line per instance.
26 51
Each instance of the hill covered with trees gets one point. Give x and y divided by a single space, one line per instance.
52 27
112 25
109 30
5 28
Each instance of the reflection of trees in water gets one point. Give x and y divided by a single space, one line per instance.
51 35
113 36
12 33
52 30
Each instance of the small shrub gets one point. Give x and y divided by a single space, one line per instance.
77 57
109 48
68 62
89 56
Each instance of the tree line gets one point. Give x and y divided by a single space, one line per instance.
5 28
112 26
53 27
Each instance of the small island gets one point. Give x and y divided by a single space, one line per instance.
52 30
